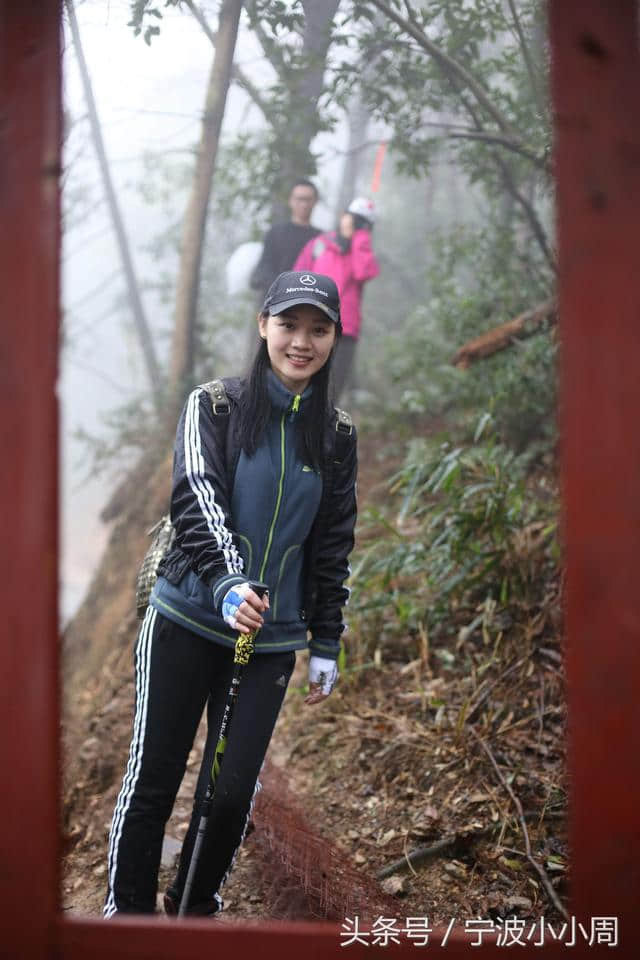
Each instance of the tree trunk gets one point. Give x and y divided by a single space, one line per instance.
358 119
182 345
135 300
301 117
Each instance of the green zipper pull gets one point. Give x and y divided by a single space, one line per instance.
295 406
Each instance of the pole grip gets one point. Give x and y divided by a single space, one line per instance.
244 644
258 587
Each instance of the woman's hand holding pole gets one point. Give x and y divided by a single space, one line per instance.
242 608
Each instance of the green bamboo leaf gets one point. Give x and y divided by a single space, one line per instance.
485 419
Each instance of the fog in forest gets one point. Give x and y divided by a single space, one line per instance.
149 98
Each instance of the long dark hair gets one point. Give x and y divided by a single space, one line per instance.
361 223
256 407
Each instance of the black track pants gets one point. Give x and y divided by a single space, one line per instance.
177 672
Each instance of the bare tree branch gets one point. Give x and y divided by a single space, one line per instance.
202 20
133 287
526 54
240 77
271 50
525 833
516 147
509 182
237 73
532 216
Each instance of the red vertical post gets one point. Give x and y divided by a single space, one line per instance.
29 244
596 100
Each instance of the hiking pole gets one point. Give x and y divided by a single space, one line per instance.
241 656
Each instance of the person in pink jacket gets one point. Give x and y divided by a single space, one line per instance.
347 257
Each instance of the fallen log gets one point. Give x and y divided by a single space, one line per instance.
523 326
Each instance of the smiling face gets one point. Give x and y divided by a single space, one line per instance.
299 343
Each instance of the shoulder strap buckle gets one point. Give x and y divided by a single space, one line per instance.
219 400
344 430
344 423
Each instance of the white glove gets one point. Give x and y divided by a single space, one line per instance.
324 672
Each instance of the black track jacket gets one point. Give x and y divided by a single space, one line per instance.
206 541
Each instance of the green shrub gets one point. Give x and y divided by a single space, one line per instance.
471 532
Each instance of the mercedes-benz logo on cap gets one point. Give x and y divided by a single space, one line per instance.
308 280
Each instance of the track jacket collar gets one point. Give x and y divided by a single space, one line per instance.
280 397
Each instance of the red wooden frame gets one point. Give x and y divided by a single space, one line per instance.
596 96
29 258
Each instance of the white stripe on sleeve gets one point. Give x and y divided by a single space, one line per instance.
202 488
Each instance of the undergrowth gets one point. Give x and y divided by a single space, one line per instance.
466 543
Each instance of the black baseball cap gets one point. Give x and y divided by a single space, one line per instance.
302 286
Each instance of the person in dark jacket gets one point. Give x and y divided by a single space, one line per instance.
261 491
284 241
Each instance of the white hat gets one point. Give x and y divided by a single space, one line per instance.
363 207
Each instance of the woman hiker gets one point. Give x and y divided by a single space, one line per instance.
345 255
263 490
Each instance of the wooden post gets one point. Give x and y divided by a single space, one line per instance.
30 125
596 99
